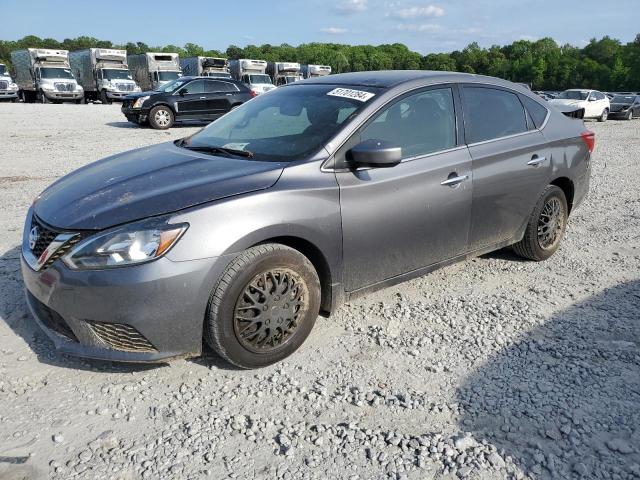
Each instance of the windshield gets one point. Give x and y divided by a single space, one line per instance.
172 86
285 124
116 75
51 72
3 69
574 95
623 99
165 76
257 79
291 79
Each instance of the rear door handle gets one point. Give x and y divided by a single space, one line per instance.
453 181
228 94
203 98
536 160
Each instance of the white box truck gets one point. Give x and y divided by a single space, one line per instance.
154 69
282 73
252 74
8 89
103 73
312 71
205 67
44 75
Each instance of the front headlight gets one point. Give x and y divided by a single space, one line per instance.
129 245
78 88
46 87
137 89
13 87
139 101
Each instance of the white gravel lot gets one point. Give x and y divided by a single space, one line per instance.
489 369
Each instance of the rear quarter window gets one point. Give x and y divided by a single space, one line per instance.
537 112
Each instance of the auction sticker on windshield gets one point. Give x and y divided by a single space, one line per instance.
349 93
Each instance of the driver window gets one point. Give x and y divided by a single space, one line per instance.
420 124
195 87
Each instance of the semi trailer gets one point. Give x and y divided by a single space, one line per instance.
282 73
205 67
312 71
8 89
103 73
153 69
44 75
252 74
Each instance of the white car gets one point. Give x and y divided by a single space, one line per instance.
595 103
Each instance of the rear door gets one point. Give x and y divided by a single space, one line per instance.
220 96
190 99
417 213
511 164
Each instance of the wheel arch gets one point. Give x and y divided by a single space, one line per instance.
567 186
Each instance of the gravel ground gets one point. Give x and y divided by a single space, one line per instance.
489 369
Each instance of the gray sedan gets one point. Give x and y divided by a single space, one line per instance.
303 198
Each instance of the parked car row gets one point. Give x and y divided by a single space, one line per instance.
105 74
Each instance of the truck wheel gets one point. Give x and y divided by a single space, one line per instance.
104 98
80 101
161 117
546 226
604 116
263 307
42 98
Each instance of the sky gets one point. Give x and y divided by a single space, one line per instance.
424 26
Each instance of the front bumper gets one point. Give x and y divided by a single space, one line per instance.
144 313
619 114
5 94
135 115
53 95
117 95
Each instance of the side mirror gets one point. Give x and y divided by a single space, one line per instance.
592 99
375 153
182 92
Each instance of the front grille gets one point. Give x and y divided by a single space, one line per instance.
124 87
4 85
51 319
121 337
46 235
64 87
616 108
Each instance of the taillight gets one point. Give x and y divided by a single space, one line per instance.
590 139
253 93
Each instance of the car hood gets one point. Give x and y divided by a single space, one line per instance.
149 181
133 96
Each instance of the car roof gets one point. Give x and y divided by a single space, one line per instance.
392 78
580 90
204 77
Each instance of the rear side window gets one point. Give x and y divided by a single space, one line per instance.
420 124
492 113
536 111
213 86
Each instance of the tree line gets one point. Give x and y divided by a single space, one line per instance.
605 64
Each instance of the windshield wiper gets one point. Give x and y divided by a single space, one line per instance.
212 149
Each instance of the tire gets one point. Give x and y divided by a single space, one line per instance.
80 101
104 98
535 246
42 98
605 114
629 115
231 311
161 117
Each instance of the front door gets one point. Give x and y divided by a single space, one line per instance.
511 164
190 99
417 213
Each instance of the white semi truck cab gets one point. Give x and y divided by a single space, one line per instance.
154 69
252 73
45 75
205 67
312 71
284 72
103 73
8 89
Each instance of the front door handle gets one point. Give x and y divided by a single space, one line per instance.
203 98
536 160
453 181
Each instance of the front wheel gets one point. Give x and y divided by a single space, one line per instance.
104 98
161 117
545 227
605 114
263 307
629 115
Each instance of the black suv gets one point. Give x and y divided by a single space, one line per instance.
186 98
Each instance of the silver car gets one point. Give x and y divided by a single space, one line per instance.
307 196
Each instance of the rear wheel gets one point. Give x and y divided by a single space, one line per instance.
264 306
546 226
161 117
605 114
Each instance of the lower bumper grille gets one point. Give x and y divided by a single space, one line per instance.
121 337
51 319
